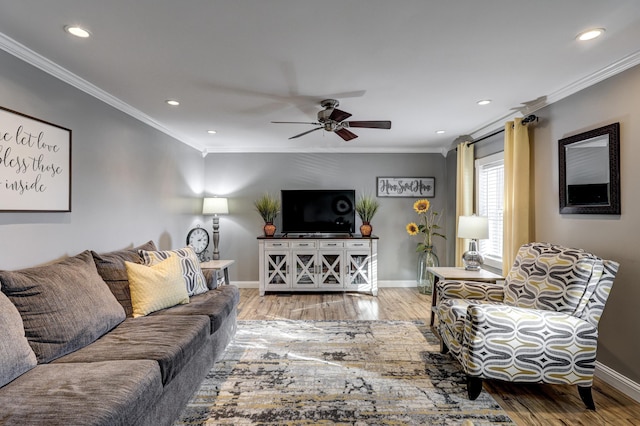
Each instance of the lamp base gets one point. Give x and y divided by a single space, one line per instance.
216 238
472 259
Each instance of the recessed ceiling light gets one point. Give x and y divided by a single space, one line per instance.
172 102
590 34
77 31
484 102
211 132
439 132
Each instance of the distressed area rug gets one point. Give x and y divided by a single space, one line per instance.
338 373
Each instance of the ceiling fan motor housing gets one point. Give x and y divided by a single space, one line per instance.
323 115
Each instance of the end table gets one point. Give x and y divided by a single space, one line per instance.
219 265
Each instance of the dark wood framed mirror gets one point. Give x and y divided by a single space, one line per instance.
590 171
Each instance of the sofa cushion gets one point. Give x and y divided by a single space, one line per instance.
157 286
194 279
112 270
64 306
96 393
551 277
171 343
16 356
216 304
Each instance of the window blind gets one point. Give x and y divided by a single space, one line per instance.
490 202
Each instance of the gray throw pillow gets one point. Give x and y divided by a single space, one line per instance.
112 270
64 306
16 356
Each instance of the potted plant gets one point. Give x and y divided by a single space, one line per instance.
269 207
366 207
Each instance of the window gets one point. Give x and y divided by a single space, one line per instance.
489 202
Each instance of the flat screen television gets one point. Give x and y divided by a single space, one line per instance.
330 211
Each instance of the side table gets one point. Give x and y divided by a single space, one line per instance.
457 274
219 265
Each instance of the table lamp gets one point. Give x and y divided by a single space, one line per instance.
474 228
215 206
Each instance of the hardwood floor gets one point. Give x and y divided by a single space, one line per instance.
526 404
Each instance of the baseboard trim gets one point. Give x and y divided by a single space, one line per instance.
397 283
394 283
618 381
246 284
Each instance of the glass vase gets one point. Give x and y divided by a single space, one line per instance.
426 258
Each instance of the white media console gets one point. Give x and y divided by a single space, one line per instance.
317 263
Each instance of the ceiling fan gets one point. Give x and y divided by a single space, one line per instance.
331 119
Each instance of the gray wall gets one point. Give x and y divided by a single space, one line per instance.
612 237
130 183
244 177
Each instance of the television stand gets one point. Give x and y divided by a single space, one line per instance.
318 263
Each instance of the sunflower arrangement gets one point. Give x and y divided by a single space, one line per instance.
428 224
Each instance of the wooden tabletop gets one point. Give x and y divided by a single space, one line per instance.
459 273
217 264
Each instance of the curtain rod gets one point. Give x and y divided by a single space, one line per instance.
526 120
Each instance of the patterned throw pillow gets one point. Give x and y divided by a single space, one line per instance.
157 286
191 272
16 356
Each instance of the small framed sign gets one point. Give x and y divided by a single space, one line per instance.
414 187
35 164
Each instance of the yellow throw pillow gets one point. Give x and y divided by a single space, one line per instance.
157 286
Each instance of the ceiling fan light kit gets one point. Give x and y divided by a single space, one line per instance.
331 119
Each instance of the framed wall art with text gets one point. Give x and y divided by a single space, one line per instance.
35 164
416 187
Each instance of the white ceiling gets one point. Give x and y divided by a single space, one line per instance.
237 65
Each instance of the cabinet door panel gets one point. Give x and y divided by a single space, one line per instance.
359 270
304 269
276 269
331 269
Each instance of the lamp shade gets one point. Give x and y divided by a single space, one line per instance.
215 205
473 227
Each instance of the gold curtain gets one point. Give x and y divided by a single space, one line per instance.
517 211
464 193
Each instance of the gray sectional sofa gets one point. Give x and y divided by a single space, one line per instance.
72 354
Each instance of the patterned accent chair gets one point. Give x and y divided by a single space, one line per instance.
541 326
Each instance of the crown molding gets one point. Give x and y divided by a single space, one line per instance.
566 91
33 58
27 55
617 67
320 150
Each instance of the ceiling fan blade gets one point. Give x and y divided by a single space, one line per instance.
308 131
345 134
370 124
338 115
295 122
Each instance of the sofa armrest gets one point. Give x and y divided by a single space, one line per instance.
472 290
527 345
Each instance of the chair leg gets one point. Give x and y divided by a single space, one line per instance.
474 387
587 398
443 346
